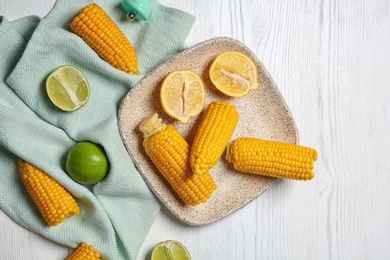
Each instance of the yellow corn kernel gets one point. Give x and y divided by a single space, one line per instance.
272 158
212 136
170 152
84 252
100 32
53 201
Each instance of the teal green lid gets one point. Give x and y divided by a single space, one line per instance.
138 9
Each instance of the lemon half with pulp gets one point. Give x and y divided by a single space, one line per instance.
182 95
234 74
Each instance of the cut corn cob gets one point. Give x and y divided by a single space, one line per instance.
272 158
212 136
100 32
170 152
84 252
53 201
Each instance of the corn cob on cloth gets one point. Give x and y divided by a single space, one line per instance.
115 214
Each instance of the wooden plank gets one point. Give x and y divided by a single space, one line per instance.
331 62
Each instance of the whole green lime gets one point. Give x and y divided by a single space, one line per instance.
87 163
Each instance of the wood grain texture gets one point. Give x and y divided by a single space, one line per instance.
331 62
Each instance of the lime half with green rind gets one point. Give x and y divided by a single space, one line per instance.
67 88
170 250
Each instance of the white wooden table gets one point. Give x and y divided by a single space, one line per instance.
331 61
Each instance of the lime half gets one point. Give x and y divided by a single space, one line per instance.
170 250
67 88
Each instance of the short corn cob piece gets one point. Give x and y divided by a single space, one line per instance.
272 158
100 32
53 201
170 152
84 252
212 136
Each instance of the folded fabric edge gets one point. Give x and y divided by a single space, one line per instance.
3 203
180 15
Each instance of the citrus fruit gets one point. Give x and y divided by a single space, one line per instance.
182 95
67 88
170 250
234 74
87 163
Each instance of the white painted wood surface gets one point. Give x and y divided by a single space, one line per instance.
331 61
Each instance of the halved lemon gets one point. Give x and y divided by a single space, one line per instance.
67 88
234 74
182 95
170 250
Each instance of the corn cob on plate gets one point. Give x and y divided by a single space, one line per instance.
263 113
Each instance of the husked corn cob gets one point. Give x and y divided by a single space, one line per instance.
84 252
212 136
170 153
100 32
53 201
272 158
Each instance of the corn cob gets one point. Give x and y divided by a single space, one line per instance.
53 201
170 152
84 252
100 32
212 136
272 158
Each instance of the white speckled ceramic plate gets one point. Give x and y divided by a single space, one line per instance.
263 114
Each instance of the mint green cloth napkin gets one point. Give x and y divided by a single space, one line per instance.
116 214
